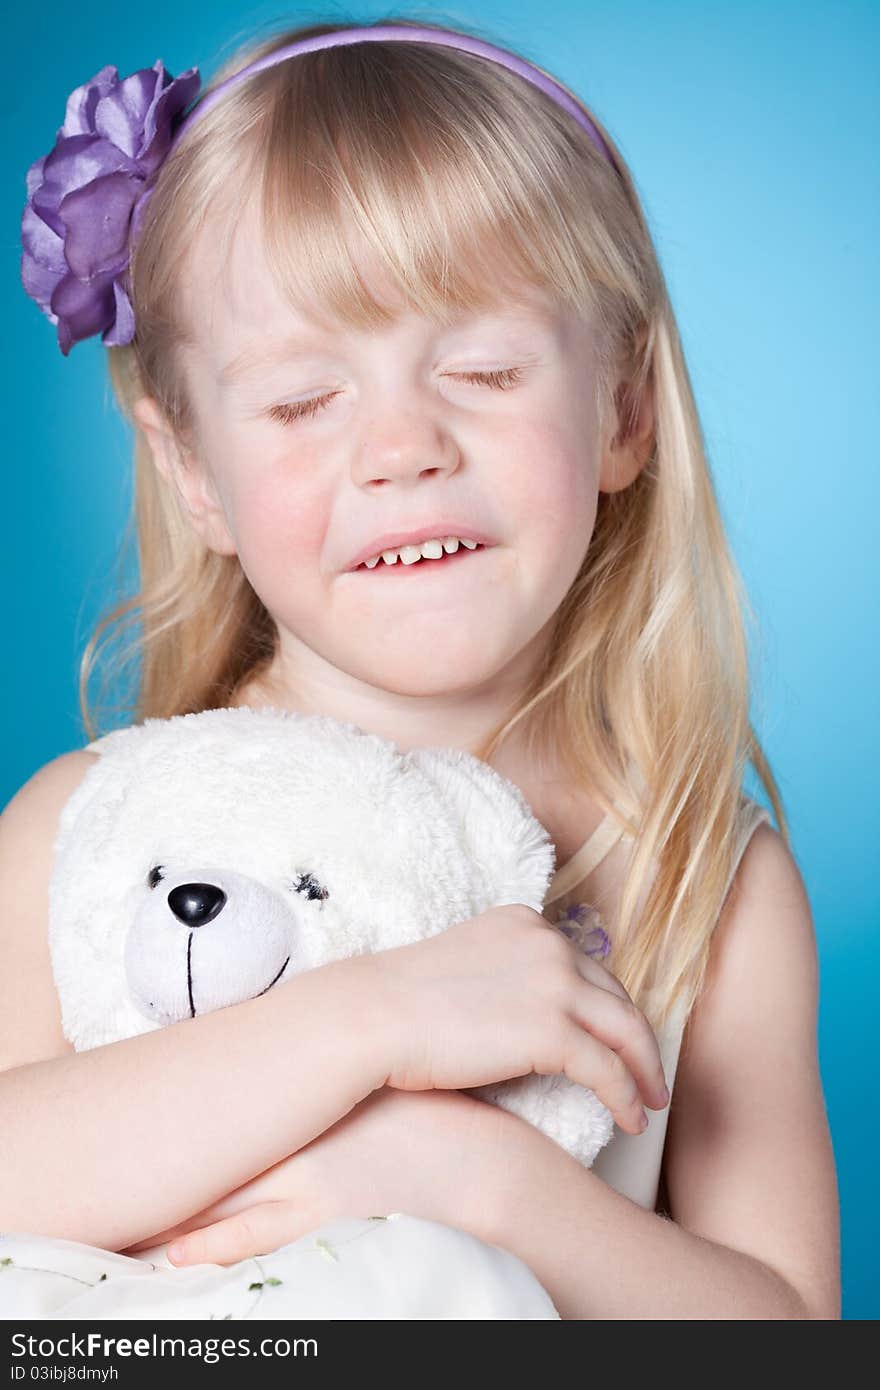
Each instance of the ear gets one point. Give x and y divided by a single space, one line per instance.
632 443
183 470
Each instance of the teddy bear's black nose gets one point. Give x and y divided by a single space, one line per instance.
195 904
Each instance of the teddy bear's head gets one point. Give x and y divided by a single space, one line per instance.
206 858
202 938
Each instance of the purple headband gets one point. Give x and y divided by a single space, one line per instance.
87 195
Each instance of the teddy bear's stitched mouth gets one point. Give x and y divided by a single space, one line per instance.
275 981
189 979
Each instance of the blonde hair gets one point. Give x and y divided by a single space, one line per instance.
460 173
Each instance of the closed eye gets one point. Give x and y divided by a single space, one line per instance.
288 412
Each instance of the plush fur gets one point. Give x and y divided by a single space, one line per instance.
207 858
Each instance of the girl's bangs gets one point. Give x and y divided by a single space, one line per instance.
455 210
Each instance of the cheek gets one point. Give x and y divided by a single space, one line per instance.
552 489
278 519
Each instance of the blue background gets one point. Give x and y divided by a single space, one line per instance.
751 131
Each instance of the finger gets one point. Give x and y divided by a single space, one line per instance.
597 974
640 1050
624 1030
590 968
589 1063
254 1231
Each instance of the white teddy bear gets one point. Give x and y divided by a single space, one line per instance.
207 857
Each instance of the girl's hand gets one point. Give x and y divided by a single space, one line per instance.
504 994
439 1155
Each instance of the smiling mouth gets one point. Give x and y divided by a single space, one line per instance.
442 562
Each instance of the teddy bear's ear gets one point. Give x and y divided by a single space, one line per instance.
513 850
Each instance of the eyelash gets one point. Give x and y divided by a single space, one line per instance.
499 380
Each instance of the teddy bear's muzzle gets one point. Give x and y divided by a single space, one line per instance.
251 940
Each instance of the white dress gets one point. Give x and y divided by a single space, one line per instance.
394 1267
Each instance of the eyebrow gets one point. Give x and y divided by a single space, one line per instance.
259 355
262 355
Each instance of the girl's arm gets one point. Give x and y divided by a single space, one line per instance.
749 1163
113 1144
110 1145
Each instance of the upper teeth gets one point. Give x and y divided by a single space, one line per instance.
432 550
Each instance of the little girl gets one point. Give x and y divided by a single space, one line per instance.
416 447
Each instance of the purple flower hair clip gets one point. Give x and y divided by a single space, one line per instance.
581 923
82 199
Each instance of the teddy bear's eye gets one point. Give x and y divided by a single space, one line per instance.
154 876
309 885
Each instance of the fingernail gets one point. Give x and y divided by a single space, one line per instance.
665 1095
643 1122
176 1251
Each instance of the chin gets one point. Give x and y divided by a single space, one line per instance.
449 676
423 687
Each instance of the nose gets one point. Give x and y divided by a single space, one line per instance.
403 448
196 904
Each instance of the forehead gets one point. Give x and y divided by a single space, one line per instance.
234 303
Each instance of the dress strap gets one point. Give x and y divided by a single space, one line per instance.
585 859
